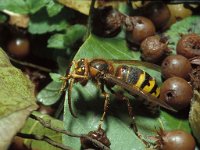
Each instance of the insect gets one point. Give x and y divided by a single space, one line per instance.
106 73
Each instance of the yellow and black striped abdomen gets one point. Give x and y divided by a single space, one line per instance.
139 78
148 84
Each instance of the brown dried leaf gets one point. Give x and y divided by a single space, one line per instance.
194 115
17 19
83 6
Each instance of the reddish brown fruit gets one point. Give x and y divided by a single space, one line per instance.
19 47
176 65
175 140
138 28
158 12
189 45
98 135
106 22
153 48
176 92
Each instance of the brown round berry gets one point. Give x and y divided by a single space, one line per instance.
189 45
19 47
106 22
176 140
176 65
98 135
153 48
158 12
176 92
138 28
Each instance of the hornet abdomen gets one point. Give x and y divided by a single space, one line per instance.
140 79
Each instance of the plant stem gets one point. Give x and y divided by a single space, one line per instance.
30 65
47 124
89 24
60 107
44 138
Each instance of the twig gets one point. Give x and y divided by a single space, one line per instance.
47 124
91 11
44 138
183 1
30 65
60 107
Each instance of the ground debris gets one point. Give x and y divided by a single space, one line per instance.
195 78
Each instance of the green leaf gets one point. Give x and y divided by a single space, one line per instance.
50 94
23 6
187 25
88 103
40 23
56 41
19 6
3 18
53 8
62 65
74 33
16 89
17 100
55 77
35 6
62 41
34 127
107 48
